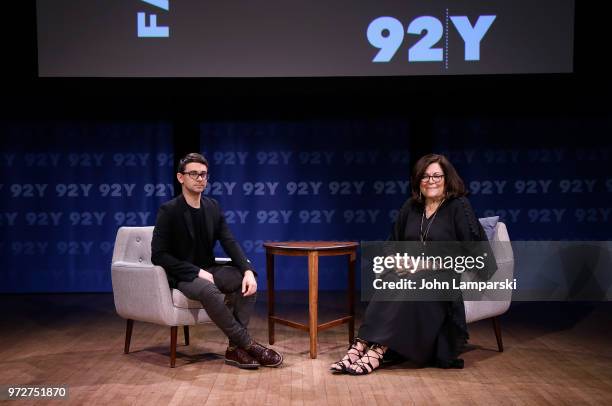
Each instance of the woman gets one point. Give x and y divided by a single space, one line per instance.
426 333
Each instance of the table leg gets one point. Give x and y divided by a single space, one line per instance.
313 298
270 280
351 295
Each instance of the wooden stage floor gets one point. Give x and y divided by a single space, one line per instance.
555 353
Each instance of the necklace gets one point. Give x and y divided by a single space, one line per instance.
433 217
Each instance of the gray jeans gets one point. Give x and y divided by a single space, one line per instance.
231 312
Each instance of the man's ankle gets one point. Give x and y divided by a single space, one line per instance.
248 345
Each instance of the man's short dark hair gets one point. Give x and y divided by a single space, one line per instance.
189 158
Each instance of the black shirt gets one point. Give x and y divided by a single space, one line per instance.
197 218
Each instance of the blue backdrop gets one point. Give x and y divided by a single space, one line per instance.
66 187
548 178
308 180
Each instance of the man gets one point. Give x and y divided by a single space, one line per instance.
185 233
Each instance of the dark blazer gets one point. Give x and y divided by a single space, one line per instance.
173 244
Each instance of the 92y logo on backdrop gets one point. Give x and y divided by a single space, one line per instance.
152 30
387 34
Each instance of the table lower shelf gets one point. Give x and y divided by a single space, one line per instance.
305 327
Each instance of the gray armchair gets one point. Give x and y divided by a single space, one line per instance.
142 293
484 309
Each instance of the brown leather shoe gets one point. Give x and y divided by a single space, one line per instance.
238 357
266 357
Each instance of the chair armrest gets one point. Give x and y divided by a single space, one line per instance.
142 292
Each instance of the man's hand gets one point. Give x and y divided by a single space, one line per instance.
249 284
206 275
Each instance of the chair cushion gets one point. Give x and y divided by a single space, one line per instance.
489 224
182 301
483 309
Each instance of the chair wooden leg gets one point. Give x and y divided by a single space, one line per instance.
498 336
186 334
128 335
173 334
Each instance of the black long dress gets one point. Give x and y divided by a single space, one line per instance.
426 333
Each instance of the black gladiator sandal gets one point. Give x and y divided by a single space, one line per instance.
342 365
365 362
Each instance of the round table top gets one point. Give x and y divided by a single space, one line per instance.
311 245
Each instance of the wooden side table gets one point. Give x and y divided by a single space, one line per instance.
312 249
